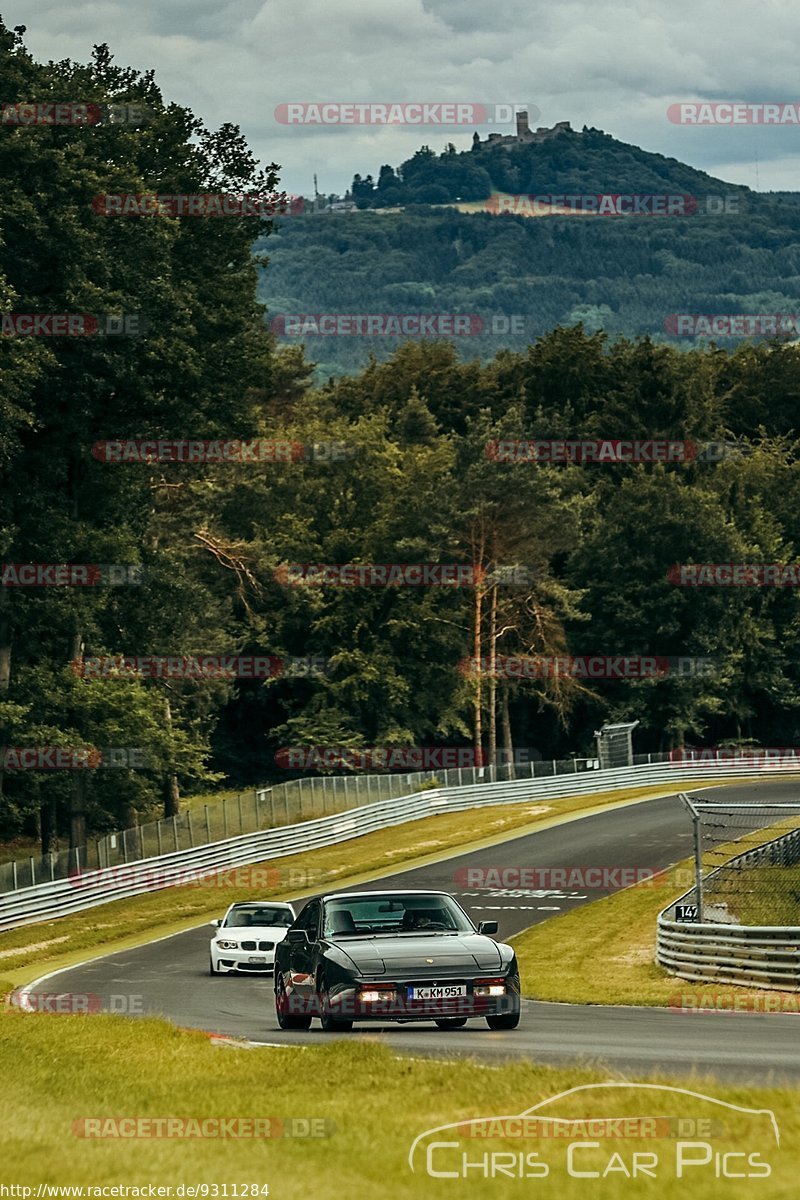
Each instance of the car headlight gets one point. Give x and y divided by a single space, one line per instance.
227 945
489 987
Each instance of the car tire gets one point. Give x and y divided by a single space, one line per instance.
503 1021
285 1020
508 1020
451 1022
329 1023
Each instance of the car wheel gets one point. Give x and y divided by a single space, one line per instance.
329 1023
285 1020
451 1022
503 1021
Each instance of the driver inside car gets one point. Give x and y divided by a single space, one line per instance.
422 919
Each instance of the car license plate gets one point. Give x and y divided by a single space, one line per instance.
257 958
437 991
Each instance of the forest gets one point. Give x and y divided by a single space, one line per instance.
200 552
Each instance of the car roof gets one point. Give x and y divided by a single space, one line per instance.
384 892
259 904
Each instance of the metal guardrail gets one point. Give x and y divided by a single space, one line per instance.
250 812
764 956
89 889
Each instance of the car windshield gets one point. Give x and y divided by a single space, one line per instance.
400 914
243 918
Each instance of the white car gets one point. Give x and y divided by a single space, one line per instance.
247 935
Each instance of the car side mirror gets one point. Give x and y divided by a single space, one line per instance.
216 923
296 935
487 927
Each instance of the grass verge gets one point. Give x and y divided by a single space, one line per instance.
374 1105
33 950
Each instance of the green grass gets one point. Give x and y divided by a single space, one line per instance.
33 950
376 1104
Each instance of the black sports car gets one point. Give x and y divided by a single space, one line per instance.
393 956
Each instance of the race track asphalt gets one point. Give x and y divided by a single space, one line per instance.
170 977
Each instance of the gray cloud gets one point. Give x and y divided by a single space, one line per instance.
613 66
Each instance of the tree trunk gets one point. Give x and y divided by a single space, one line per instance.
5 639
48 826
508 744
172 792
77 810
476 650
493 678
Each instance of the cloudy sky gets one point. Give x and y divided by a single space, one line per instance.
616 66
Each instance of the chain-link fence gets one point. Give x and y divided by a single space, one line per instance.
747 863
266 808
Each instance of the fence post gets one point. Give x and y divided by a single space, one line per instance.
256 809
239 806
208 824
189 827
14 874
286 802
225 815
175 830
158 835
141 841
53 866
698 866
271 809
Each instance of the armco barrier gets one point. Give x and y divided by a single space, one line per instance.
763 956
61 897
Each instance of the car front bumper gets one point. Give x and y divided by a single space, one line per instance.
348 1002
226 961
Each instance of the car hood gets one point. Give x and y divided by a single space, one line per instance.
403 953
274 933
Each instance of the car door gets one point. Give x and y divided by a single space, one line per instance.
303 954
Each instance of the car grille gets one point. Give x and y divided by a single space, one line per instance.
258 945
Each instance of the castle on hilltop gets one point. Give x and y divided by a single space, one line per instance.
524 134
